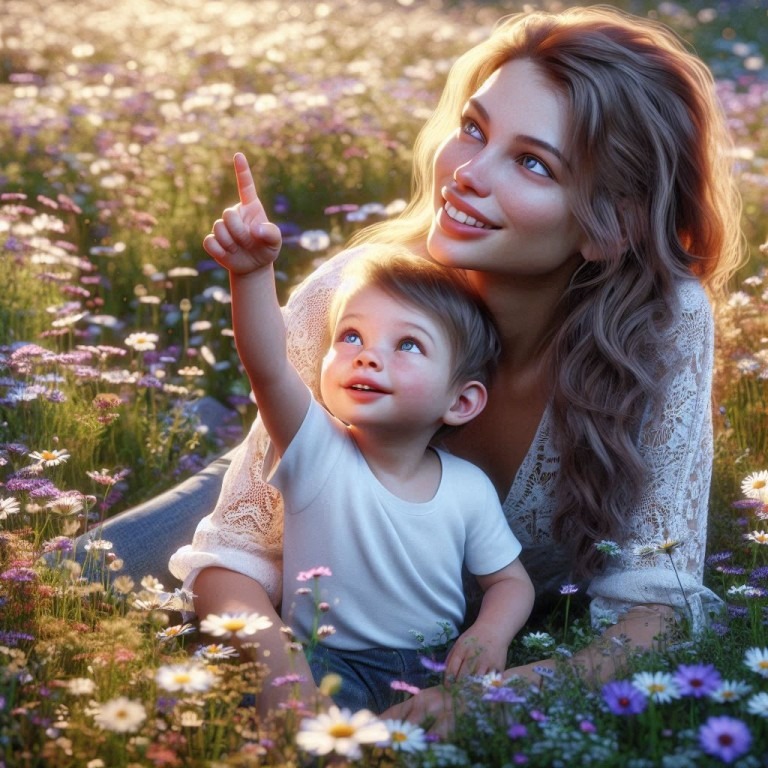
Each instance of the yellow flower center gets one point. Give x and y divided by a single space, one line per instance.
763 664
341 731
234 625
656 688
398 737
182 678
758 484
47 455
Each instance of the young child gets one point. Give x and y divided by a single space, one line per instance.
365 494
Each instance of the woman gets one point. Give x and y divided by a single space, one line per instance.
575 169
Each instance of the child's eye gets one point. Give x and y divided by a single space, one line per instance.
409 345
351 337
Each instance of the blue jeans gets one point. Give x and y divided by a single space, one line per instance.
367 675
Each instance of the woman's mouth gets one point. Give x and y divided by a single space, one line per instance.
464 218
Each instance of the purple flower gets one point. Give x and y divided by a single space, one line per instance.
725 737
503 695
623 698
19 573
517 731
697 680
432 665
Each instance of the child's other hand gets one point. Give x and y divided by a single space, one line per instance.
477 652
243 239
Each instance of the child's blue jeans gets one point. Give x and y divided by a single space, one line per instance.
367 675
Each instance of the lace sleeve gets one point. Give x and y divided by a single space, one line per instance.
244 533
676 440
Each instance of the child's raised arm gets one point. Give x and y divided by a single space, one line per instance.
246 243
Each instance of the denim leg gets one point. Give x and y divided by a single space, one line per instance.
367 675
147 535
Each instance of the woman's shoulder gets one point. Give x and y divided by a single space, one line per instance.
691 296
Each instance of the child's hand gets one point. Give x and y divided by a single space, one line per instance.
477 652
243 240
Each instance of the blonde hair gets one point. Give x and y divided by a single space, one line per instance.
651 186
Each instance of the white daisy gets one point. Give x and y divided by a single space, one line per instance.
238 624
730 690
120 715
757 660
340 731
9 507
405 736
758 705
81 686
187 678
50 458
142 342
657 686
755 486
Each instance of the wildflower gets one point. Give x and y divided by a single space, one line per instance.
99 545
190 719
538 641
757 660
340 731
569 589
58 544
81 686
730 690
404 736
314 240
120 715
657 686
314 573
325 630
66 504
239 624
697 680
758 705
142 342
215 652
188 678
438 667
170 633
401 685
291 679
755 486
48 458
624 698
725 737
517 731
502 695
9 506
666 547
759 537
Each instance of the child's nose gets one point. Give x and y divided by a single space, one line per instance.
367 358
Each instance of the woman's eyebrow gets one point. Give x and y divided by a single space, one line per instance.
475 103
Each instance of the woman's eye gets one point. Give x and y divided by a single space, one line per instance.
351 337
533 164
409 345
471 128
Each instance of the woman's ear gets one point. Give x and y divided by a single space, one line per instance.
469 401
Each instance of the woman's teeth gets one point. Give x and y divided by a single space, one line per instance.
463 218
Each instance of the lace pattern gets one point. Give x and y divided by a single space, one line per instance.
244 531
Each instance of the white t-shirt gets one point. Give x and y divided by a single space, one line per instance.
396 565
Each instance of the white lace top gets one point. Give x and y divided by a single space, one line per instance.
244 531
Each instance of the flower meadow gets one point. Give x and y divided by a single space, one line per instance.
119 377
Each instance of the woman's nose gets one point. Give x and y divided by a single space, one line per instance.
473 175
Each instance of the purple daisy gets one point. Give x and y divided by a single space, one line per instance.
623 698
725 737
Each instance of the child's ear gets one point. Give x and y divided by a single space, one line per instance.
469 400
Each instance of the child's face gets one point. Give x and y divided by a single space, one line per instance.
389 364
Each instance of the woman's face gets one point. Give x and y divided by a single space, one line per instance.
501 202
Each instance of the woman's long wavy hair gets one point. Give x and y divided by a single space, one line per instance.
651 186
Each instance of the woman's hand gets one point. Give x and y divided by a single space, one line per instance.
243 239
